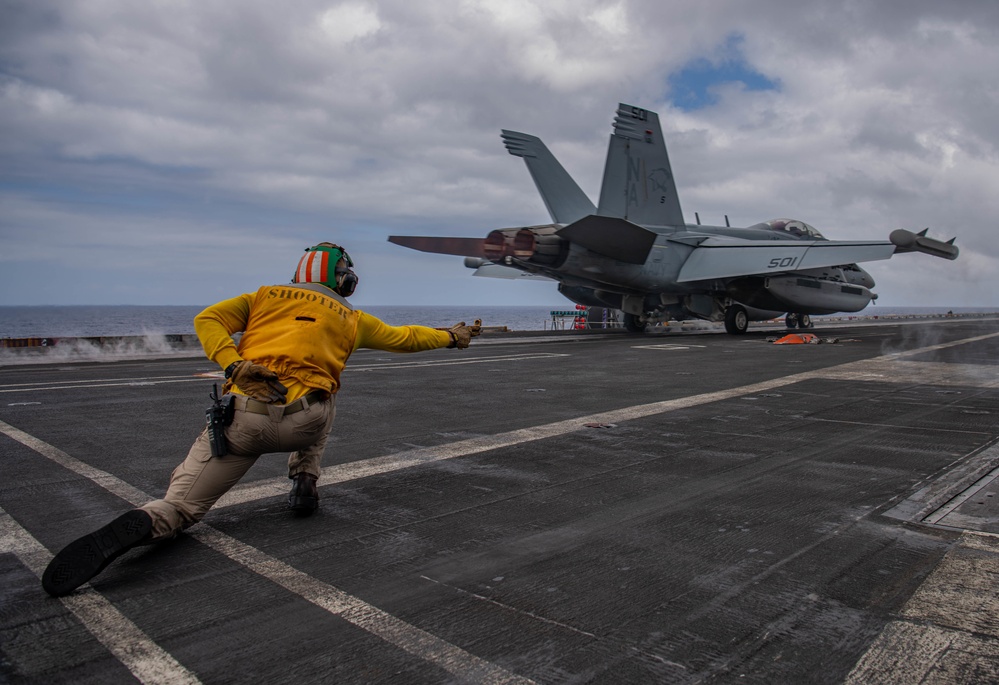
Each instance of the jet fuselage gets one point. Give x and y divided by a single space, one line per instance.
634 251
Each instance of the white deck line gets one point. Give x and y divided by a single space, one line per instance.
101 619
146 660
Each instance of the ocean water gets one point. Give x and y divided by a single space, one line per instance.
127 320
141 320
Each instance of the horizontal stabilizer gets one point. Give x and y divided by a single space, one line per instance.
463 247
615 238
907 241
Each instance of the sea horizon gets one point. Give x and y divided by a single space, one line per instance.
55 321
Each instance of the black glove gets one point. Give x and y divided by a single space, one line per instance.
461 335
258 382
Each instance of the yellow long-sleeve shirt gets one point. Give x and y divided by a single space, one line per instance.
304 333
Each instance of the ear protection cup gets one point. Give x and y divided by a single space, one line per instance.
346 281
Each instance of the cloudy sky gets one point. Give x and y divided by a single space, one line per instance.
184 151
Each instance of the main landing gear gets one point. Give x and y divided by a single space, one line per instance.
798 321
736 319
633 323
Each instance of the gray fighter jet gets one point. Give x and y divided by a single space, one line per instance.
635 253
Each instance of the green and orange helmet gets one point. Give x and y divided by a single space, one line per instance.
329 265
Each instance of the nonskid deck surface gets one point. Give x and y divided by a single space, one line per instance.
595 508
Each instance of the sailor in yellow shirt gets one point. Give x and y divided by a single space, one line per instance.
283 377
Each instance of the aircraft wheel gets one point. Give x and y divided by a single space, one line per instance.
791 321
633 324
805 321
736 319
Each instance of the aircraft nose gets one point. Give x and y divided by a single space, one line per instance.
863 278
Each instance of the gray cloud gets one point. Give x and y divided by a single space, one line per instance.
164 141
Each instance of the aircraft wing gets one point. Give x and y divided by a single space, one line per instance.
730 257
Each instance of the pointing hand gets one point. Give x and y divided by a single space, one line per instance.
461 335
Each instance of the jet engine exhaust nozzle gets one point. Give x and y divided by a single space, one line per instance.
536 244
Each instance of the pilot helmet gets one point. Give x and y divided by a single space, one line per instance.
329 265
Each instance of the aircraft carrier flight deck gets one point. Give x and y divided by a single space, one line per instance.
557 508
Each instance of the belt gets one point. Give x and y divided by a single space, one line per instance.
314 397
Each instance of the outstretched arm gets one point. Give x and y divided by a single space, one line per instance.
376 334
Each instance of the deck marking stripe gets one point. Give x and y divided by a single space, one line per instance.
932 429
158 380
512 609
105 385
525 356
41 385
145 659
342 473
110 483
393 630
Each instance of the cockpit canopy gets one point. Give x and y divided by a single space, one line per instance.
798 229
792 228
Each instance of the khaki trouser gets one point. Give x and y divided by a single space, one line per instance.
201 479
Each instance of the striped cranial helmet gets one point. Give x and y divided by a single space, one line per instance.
329 265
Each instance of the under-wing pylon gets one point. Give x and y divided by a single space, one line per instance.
635 252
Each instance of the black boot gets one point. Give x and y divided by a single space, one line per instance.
82 559
304 496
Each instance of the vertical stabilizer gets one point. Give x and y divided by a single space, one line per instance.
638 181
565 201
